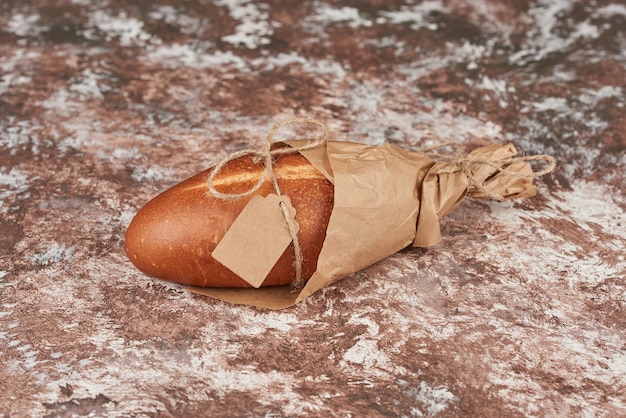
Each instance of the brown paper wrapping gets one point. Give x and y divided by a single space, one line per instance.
387 198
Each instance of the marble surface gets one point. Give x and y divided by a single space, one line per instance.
519 311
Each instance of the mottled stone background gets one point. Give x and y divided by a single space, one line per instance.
520 311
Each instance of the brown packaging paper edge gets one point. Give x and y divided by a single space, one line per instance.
386 198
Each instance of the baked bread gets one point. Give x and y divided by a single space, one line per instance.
172 236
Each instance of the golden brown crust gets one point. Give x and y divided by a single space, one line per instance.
172 236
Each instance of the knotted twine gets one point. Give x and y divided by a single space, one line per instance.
267 155
461 163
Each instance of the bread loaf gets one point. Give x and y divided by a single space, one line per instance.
172 236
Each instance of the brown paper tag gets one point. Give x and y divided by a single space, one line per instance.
256 240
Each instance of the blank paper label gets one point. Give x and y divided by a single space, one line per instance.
256 240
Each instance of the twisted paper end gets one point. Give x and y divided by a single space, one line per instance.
499 176
491 172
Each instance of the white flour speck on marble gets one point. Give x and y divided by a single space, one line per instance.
54 253
417 16
254 28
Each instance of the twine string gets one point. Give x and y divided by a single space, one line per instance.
461 163
266 155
